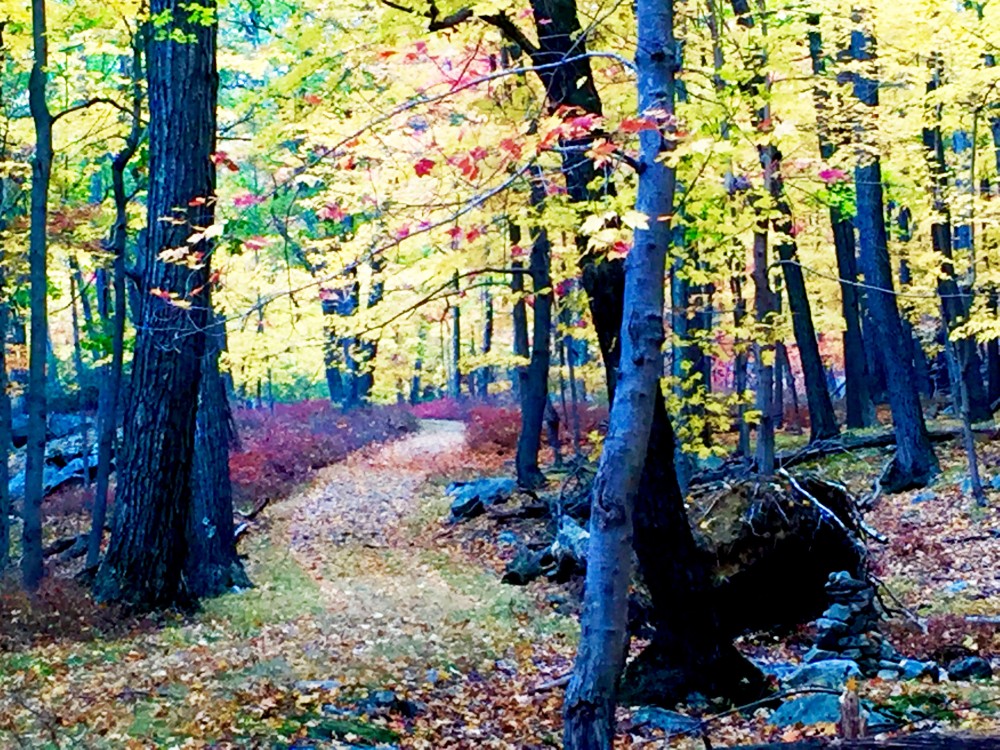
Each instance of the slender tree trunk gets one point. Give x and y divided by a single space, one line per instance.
591 697
520 322
148 553
5 429
740 362
954 302
31 553
993 345
831 137
486 371
763 354
914 463
455 383
535 377
111 375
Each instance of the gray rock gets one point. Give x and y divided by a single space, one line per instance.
835 627
839 612
833 674
807 709
877 722
471 499
924 497
814 655
970 668
913 669
995 482
571 541
508 537
670 722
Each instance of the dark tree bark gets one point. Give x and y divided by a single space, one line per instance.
535 377
148 553
111 373
455 382
5 429
831 137
212 564
993 345
590 698
914 463
41 171
823 422
520 322
485 374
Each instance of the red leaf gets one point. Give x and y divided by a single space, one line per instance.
423 167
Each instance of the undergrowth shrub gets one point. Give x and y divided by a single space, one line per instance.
281 450
492 429
443 408
62 609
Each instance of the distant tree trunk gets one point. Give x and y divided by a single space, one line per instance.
520 321
418 365
368 347
535 377
147 556
591 696
212 565
31 553
81 375
831 137
486 371
954 302
914 463
455 384
740 361
111 373
917 355
763 354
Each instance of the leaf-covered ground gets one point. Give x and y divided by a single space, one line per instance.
372 623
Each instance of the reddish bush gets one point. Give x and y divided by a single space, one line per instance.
442 408
492 429
945 633
279 451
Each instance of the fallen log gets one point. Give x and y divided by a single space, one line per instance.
739 467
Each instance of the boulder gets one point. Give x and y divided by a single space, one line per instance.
471 499
670 722
970 668
817 708
832 673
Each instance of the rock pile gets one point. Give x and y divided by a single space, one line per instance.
849 629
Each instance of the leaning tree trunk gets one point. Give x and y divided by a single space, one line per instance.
212 565
535 377
914 463
148 553
591 696
31 552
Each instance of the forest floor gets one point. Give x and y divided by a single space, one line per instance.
374 623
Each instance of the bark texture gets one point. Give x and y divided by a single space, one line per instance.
148 553
914 463
591 696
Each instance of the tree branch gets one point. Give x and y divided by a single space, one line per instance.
91 103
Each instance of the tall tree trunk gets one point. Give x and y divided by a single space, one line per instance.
111 375
954 301
520 322
212 565
590 699
993 345
763 354
148 553
535 377
31 553
486 371
914 463
831 137
740 361
5 429
455 382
